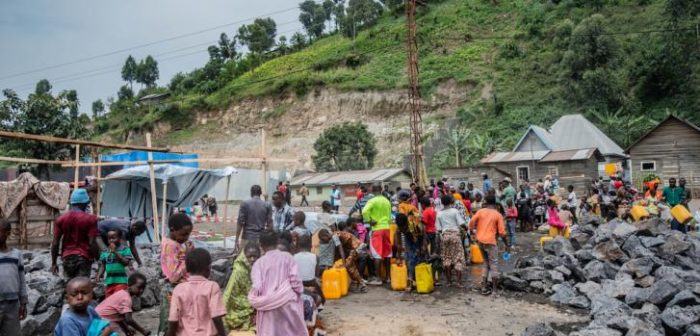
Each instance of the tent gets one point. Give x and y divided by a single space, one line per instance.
127 193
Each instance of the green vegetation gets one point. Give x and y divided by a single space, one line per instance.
349 146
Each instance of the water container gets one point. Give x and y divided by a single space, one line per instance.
639 212
681 214
399 277
331 284
392 233
477 257
424 278
344 281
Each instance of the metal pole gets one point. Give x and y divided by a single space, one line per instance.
263 155
164 210
98 200
228 186
154 197
76 170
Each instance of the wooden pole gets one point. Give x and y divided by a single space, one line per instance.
228 186
165 208
154 199
76 169
263 156
136 163
98 181
44 138
34 161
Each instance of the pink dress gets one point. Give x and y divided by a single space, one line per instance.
276 296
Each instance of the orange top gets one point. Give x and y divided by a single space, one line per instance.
488 224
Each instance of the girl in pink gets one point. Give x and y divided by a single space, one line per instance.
276 292
172 261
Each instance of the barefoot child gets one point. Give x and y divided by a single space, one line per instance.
80 316
511 220
117 308
196 307
113 264
172 261
13 289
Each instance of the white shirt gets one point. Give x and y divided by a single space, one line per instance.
306 263
572 200
449 219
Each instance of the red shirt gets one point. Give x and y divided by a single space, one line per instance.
429 219
618 184
282 189
360 195
76 228
467 204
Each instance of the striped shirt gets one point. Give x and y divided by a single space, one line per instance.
115 272
12 286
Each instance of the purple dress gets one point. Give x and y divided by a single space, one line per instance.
276 296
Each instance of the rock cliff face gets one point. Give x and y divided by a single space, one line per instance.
293 123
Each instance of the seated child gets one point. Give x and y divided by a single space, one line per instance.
307 265
113 264
80 318
326 250
300 229
117 308
196 307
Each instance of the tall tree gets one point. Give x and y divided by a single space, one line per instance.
361 14
298 41
339 13
258 36
98 108
227 47
129 71
282 45
147 72
43 87
72 102
348 146
328 6
312 17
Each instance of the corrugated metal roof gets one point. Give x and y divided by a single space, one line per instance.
569 155
541 133
514 156
347 177
574 131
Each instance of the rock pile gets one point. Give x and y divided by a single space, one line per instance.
46 291
634 278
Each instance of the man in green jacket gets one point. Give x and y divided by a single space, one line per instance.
377 213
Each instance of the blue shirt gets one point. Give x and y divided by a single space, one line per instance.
335 197
487 185
72 324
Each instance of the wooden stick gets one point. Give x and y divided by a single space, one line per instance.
76 168
98 201
165 208
154 199
136 163
34 161
228 185
263 156
44 138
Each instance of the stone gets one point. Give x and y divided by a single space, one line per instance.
693 331
35 265
662 292
598 270
634 248
221 265
580 238
584 255
539 329
46 322
636 297
556 277
625 323
529 261
513 282
685 263
605 308
219 278
623 231
540 286
649 313
551 262
643 330
684 298
36 302
674 244
644 282
533 273
596 331
566 272
618 289
44 281
652 227
558 246
638 267
609 251
673 274
566 295
696 289
678 318
151 295
651 242
588 288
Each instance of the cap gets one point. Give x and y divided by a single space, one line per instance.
79 196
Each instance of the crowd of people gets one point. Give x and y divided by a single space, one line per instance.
274 287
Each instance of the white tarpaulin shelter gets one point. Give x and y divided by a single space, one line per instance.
127 193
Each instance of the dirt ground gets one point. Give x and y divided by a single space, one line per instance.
446 311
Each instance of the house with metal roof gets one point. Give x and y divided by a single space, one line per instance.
573 149
319 184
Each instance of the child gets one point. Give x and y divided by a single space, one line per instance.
408 247
196 307
299 230
13 289
114 263
428 219
117 308
326 253
478 203
512 220
566 217
307 263
172 260
556 225
80 316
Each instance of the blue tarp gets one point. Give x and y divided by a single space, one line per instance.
143 156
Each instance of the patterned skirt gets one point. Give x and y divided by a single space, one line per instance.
452 250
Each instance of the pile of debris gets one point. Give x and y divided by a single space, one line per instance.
635 278
46 291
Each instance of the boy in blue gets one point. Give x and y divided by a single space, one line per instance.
76 320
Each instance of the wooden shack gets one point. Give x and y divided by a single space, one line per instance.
31 207
671 149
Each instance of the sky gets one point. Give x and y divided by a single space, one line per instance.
40 34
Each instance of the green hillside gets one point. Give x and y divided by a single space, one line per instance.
623 63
